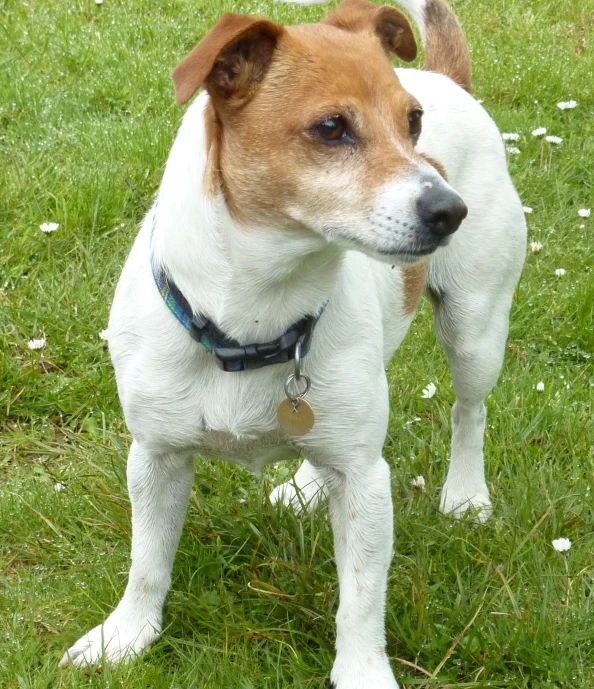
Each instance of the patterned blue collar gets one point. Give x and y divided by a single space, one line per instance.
229 354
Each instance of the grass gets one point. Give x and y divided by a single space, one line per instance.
86 122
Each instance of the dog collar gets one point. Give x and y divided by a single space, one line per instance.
229 354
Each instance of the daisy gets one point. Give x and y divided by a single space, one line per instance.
535 247
418 482
584 212
49 226
554 139
512 150
541 131
528 210
560 272
540 387
567 105
429 391
59 487
36 344
510 136
561 544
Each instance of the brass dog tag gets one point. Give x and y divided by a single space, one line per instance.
295 417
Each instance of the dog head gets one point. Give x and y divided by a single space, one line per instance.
310 129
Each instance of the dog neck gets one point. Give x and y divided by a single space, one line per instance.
253 283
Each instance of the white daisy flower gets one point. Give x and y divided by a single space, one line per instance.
554 139
104 334
512 150
560 272
510 136
541 131
528 210
49 226
418 482
535 247
567 105
36 344
540 387
98 2
584 212
582 227
429 391
59 487
561 544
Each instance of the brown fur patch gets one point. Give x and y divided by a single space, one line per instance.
446 49
270 88
270 162
415 281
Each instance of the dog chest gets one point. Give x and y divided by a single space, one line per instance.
239 424
224 416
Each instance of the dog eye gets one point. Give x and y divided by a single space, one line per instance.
415 123
332 130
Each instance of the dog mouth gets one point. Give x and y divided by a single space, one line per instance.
409 256
404 252
409 249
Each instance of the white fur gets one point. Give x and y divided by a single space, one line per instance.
254 284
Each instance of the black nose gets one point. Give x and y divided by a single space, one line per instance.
441 210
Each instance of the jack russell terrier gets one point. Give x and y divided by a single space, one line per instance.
311 195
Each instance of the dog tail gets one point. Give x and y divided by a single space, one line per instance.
446 49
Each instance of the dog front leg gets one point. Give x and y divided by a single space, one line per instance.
362 520
159 487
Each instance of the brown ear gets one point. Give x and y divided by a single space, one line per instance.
230 60
389 24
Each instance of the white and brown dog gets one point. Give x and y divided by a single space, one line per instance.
302 211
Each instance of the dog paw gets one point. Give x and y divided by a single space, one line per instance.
363 673
457 500
301 499
119 639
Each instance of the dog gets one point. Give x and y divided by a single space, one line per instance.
311 196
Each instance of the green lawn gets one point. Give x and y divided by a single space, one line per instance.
87 117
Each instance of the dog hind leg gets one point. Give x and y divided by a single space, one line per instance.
159 488
472 322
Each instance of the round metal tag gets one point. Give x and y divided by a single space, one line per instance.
295 417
